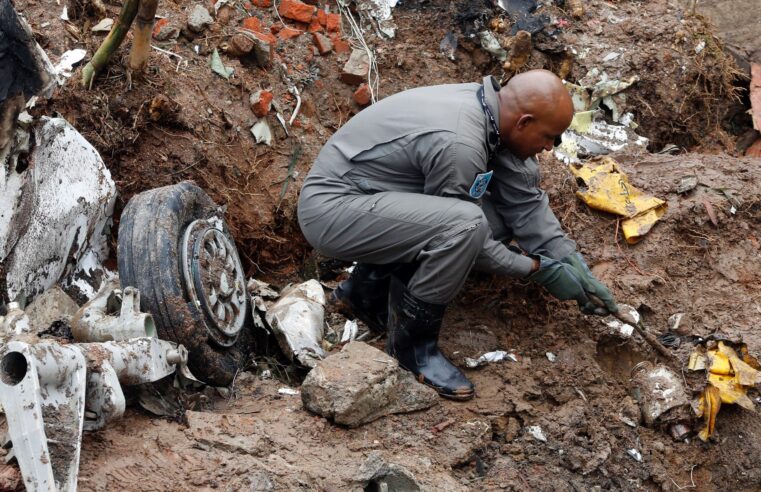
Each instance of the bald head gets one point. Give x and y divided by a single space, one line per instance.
534 108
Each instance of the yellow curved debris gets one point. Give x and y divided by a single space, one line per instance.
729 378
605 187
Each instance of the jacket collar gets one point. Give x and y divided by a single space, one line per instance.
491 87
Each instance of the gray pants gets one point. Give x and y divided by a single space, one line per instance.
444 236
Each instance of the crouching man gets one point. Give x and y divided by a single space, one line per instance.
429 183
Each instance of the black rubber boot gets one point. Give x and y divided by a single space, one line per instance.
413 338
364 295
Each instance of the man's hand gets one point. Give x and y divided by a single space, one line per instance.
594 289
561 280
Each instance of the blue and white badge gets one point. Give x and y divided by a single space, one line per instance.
478 188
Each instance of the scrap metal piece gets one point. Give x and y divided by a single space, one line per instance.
660 391
42 390
113 364
297 320
51 392
95 321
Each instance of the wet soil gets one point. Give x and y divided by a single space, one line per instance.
258 439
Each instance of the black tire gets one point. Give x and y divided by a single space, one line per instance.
150 232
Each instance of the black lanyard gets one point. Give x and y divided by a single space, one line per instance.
494 124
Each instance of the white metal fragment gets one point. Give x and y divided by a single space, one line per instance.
537 433
297 320
63 69
262 133
636 455
103 26
496 356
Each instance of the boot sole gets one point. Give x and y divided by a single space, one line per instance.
463 396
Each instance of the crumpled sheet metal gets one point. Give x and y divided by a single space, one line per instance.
729 375
607 188
297 319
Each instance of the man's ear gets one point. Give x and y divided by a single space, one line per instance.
524 121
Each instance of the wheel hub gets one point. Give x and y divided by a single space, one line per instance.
214 279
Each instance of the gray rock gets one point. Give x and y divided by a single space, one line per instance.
199 19
361 384
355 70
376 474
51 306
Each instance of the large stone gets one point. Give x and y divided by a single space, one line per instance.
361 384
355 70
199 19
53 305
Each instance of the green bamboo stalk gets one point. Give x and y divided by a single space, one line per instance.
141 43
111 43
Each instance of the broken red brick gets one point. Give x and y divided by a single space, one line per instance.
296 10
289 32
253 24
355 70
261 101
265 4
362 95
323 43
240 45
315 26
266 37
333 22
322 17
340 45
159 24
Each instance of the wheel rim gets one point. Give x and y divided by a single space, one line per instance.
214 280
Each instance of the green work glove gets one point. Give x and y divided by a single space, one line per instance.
560 280
602 300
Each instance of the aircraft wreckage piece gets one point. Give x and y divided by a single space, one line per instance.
51 392
96 321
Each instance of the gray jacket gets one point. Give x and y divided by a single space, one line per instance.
439 141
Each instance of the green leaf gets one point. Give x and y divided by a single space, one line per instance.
215 62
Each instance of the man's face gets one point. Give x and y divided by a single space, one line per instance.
531 135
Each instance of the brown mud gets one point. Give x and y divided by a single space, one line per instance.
188 123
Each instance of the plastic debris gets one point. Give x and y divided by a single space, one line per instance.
619 328
63 69
662 396
551 357
496 356
103 26
350 331
590 135
380 10
636 455
674 323
258 288
525 14
605 187
215 62
288 391
262 133
490 44
537 433
687 184
729 375
297 320
448 45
